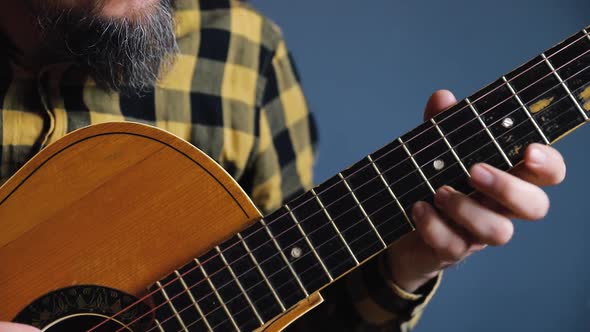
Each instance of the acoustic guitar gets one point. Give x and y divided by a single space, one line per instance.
124 227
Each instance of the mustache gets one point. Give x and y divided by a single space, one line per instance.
126 55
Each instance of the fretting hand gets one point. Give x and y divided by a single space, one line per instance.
464 224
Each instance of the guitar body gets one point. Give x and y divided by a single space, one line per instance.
116 205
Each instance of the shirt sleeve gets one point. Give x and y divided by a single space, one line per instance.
282 168
286 144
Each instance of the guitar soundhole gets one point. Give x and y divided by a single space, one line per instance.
81 308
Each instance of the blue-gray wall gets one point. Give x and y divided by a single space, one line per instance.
368 68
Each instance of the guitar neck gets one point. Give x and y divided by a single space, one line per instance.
332 229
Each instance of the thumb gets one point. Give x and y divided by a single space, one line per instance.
11 327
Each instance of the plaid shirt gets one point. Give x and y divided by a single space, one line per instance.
233 92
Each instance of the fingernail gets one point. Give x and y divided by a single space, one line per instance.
418 210
442 196
537 157
481 175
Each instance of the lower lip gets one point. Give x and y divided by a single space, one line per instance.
122 8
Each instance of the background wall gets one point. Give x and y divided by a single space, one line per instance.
368 68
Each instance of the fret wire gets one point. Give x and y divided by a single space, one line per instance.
284 258
158 325
334 225
231 318
525 109
565 87
261 272
231 271
450 147
190 295
309 243
362 209
175 312
416 164
391 192
489 133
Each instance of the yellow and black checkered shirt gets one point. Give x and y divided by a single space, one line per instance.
232 92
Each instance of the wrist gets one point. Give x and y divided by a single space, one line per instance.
403 276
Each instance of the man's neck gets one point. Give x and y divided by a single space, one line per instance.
18 25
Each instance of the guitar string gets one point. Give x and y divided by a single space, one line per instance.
315 265
356 222
551 72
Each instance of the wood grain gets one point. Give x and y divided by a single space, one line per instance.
119 205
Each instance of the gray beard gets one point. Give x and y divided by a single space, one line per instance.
123 55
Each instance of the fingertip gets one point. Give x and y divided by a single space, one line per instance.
535 156
442 196
502 233
438 102
418 210
546 163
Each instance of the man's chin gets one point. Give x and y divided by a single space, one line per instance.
121 54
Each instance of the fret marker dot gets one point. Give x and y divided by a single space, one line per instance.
507 122
296 252
438 164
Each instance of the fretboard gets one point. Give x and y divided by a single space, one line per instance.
333 228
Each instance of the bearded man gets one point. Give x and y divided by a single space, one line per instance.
218 74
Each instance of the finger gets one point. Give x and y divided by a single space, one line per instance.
525 200
485 225
448 244
438 102
543 166
493 205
